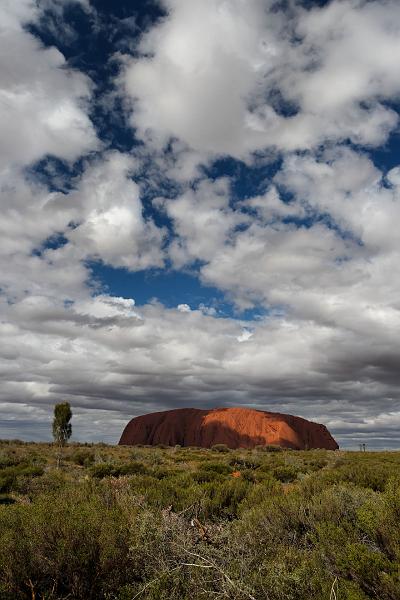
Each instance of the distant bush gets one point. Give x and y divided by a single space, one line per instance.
103 470
204 476
7 460
372 475
220 448
316 464
222 499
221 468
269 448
83 458
117 470
10 475
285 473
246 462
132 468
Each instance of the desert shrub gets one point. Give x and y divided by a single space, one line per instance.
103 470
269 448
149 525
259 493
10 475
220 448
374 475
352 559
177 492
301 545
7 460
212 471
316 464
248 475
245 462
6 483
69 544
50 482
285 473
221 499
117 470
131 468
163 473
203 476
221 468
368 473
84 458
379 519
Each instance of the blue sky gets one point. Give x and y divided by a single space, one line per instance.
199 204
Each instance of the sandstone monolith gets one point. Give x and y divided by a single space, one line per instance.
234 427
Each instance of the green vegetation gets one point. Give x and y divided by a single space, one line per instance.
62 428
125 523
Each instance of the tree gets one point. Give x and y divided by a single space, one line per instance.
62 428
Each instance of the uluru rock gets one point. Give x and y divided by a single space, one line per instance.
235 427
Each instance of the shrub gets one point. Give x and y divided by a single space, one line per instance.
203 476
68 543
103 470
220 448
84 458
269 448
285 473
245 462
131 468
10 475
221 468
117 470
158 528
221 499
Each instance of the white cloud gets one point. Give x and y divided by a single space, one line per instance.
203 221
101 219
111 226
43 103
199 66
185 308
213 75
244 336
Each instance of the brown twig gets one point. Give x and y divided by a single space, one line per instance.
334 589
33 593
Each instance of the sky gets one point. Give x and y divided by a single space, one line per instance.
199 208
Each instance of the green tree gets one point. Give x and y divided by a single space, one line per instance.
62 428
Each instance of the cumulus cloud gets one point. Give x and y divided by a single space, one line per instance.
329 255
48 237
43 103
110 225
203 221
233 78
185 308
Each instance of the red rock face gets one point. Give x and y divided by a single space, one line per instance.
235 427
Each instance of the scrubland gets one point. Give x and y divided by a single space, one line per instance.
125 523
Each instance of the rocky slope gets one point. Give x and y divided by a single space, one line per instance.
235 427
